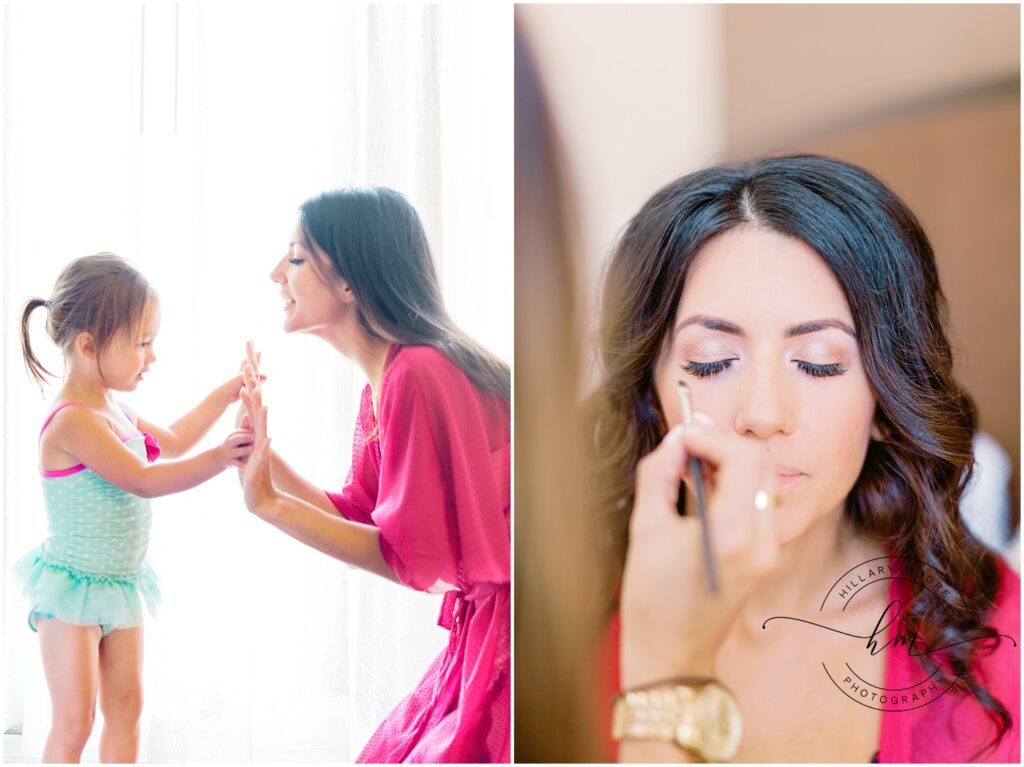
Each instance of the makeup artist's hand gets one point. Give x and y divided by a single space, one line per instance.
672 626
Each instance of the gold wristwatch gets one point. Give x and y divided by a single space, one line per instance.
698 715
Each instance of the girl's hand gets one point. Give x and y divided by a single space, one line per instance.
672 626
257 485
230 391
236 448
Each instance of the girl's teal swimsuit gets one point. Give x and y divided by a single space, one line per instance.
92 569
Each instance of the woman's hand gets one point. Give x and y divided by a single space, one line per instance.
258 488
252 359
672 626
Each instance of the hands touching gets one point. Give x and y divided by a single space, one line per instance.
239 444
236 448
230 391
258 488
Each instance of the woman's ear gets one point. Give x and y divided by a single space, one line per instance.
346 293
878 432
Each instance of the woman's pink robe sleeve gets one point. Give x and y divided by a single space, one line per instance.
443 488
441 508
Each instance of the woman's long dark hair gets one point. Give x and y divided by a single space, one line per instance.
908 492
376 243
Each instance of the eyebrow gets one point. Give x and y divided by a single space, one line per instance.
803 328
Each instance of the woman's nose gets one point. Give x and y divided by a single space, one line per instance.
277 275
765 408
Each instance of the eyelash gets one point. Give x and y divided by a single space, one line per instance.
296 261
821 371
708 369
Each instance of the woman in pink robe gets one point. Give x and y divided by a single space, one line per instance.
427 499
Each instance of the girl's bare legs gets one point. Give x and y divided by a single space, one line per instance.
71 664
121 694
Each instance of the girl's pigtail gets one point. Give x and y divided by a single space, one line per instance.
32 364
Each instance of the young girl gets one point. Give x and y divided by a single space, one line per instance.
87 581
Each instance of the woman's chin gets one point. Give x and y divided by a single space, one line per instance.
791 523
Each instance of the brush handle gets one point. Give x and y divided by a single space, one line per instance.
686 406
709 556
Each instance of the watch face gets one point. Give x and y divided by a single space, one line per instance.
722 724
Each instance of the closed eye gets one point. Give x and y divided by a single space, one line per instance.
296 261
821 371
707 369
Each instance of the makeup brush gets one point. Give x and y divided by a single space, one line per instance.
698 490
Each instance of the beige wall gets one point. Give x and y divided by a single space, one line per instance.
795 71
638 95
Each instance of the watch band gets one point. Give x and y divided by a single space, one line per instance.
698 715
658 713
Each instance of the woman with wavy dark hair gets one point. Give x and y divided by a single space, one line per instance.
427 499
855 618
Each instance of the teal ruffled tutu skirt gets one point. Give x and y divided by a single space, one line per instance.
110 601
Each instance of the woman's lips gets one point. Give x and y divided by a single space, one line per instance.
787 478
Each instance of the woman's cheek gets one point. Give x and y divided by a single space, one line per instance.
848 444
718 409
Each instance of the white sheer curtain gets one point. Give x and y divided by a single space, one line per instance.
184 137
